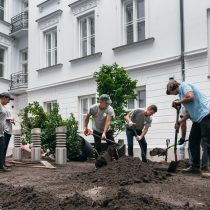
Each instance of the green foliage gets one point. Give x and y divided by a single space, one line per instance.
114 81
33 116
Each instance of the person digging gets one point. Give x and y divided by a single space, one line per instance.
138 123
198 107
102 114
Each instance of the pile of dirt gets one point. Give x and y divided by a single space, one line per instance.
21 198
25 198
125 171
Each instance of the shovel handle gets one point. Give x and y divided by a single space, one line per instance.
109 140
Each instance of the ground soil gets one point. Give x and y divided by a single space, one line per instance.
125 184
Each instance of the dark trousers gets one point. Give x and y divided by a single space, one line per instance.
7 140
2 156
194 144
142 143
97 139
205 140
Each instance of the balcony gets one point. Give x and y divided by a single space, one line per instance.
19 24
19 83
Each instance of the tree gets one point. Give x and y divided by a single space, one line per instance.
114 81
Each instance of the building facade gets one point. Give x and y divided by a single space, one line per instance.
49 50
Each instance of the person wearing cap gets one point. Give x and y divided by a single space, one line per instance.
4 100
102 114
138 123
197 106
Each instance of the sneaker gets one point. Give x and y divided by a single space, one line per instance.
4 169
191 170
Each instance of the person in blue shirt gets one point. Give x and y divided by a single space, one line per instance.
198 110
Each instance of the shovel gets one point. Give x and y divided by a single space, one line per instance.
173 165
140 145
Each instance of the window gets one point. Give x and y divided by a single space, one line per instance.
2 62
50 105
51 47
24 61
2 9
134 20
85 103
140 102
87 35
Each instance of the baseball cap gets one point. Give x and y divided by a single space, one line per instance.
7 95
171 86
105 97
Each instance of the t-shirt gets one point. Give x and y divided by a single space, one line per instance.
100 115
137 116
8 125
3 115
200 107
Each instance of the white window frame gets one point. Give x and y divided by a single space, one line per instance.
136 101
54 46
134 22
89 35
49 105
22 61
3 63
82 115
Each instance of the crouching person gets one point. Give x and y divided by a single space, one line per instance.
138 123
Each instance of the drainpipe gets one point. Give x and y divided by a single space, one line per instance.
182 39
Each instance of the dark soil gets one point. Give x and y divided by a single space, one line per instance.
125 184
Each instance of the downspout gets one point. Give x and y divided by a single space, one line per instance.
182 39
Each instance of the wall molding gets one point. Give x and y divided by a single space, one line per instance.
5 39
46 3
50 19
82 6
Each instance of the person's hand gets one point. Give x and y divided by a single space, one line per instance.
176 104
103 137
131 124
181 141
12 121
87 131
139 138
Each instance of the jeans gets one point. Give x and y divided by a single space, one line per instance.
2 156
142 143
7 140
97 139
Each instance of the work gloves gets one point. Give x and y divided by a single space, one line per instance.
181 141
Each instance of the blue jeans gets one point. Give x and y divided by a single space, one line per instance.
143 144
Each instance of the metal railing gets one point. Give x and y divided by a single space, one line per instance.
19 22
19 80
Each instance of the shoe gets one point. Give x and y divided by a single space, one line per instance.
4 169
191 170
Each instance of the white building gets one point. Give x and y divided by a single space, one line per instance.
50 55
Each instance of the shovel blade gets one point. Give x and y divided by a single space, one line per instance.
173 166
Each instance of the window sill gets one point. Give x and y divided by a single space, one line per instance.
4 79
134 44
5 22
57 66
98 54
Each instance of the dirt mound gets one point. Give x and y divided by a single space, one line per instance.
25 198
124 171
22 198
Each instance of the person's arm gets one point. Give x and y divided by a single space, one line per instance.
107 126
128 120
144 132
86 129
189 97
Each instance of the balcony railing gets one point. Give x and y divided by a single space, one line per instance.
19 80
19 22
